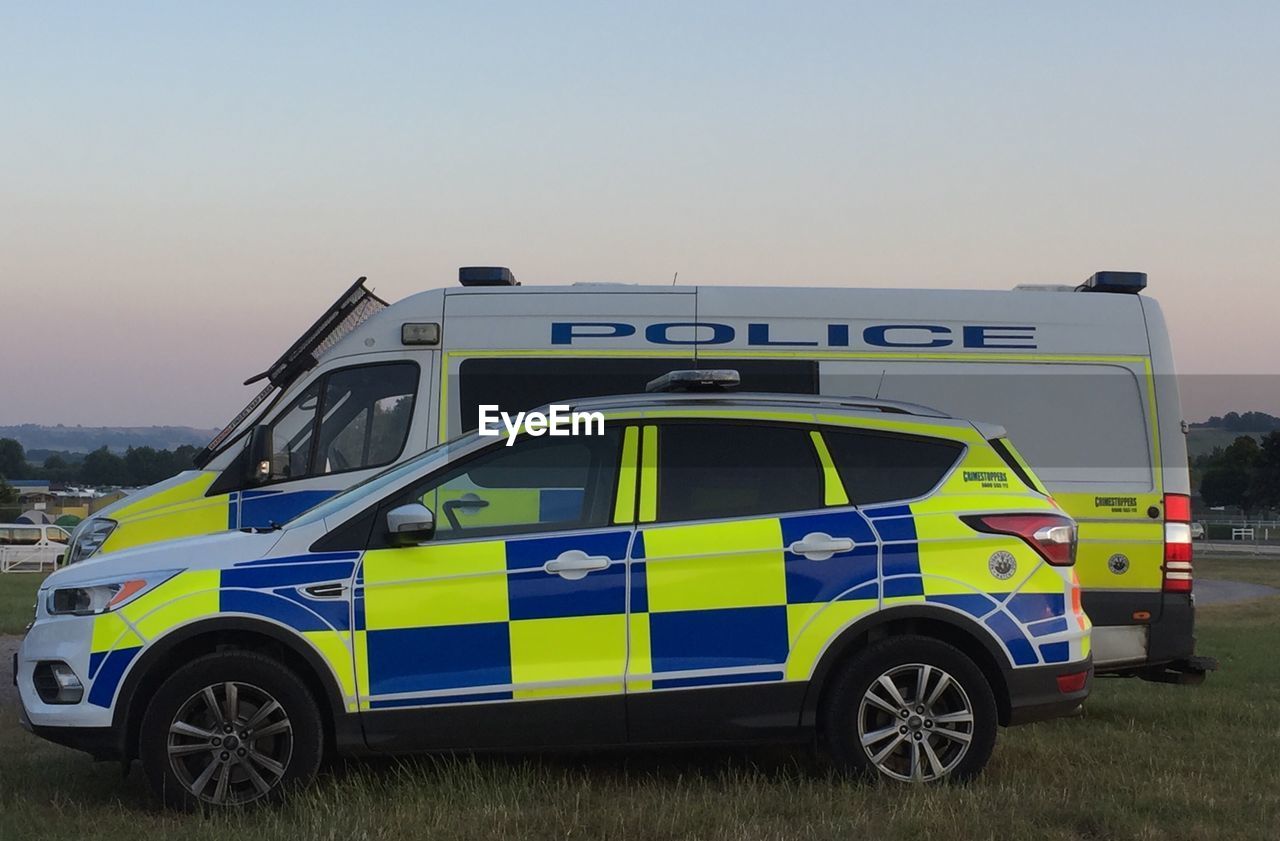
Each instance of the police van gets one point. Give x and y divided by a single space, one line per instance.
693 568
1081 376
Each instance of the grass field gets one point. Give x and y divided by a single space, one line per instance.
17 600
1145 762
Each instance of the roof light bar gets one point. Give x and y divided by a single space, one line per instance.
1129 283
717 379
486 276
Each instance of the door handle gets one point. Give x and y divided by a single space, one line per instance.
819 546
574 564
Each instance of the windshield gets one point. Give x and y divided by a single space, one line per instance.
370 488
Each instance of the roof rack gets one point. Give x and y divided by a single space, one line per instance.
353 308
815 401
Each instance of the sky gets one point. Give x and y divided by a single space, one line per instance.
184 187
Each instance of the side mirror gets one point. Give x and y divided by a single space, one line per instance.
409 524
258 464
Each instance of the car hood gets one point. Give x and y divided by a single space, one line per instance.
204 552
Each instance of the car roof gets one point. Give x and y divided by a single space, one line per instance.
754 400
852 407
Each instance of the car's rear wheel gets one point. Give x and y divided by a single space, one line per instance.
229 729
912 709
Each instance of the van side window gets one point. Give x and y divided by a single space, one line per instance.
56 535
365 416
714 470
26 537
881 467
349 419
538 484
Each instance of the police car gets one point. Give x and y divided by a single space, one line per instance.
706 567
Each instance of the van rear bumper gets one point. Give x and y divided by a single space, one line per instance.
1126 643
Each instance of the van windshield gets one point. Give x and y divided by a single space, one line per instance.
373 486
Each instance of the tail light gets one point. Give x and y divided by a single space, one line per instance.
1052 535
1074 682
1177 543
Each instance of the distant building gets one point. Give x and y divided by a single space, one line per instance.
24 486
74 502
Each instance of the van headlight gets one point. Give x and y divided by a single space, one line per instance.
89 539
102 596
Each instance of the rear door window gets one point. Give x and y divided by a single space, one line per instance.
881 467
717 470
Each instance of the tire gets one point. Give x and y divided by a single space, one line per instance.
193 755
951 739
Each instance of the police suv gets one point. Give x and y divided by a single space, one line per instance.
705 567
1081 376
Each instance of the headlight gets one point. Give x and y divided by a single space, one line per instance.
102 596
89 539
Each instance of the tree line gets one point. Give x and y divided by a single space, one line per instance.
138 466
1241 422
1245 474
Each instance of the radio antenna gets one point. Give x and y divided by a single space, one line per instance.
880 384
674 278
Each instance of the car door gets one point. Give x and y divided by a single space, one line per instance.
508 627
735 545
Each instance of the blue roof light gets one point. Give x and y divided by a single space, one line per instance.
486 276
1130 283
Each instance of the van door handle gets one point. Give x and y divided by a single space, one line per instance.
574 564
819 546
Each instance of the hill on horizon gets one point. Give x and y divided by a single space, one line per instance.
86 439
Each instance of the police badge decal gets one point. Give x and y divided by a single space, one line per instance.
1002 564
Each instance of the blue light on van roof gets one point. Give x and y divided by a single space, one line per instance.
1130 283
486 276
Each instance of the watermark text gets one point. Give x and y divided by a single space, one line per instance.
557 421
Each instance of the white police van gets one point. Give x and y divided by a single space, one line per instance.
1081 376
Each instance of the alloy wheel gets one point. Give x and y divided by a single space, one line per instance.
915 722
230 743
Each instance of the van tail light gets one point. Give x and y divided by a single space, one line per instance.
1177 543
1052 535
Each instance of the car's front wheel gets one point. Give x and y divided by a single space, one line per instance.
912 709
228 729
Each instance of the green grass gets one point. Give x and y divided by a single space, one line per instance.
1256 569
1146 761
17 600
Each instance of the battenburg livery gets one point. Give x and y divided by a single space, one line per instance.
1082 377
711 568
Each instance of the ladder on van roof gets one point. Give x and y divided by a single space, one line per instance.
354 307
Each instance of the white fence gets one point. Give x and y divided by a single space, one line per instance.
29 558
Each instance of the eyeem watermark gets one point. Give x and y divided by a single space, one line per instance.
558 421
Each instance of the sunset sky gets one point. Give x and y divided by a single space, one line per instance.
184 187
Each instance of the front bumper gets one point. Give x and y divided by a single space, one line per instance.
101 743
1034 694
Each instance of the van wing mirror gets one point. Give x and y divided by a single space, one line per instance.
258 467
409 524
